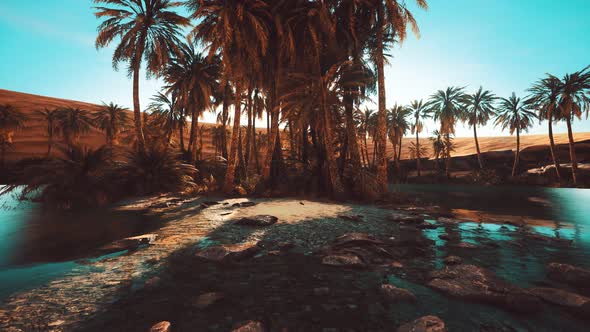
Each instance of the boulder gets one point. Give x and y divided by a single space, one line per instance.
249 326
405 217
424 324
228 252
163 326
475 283
560 297
453 260
568 274
394 294
343 260
261 220
205 300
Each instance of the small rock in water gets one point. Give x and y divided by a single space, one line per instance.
424 324
261 220
249 326
453 260
163 326
406 218
560 297
343 260
395 294
207 299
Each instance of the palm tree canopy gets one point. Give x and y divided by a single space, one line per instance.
147 29
111 118
397 118
73 121
419 112
479 107
574 97
11 118
167 113
513 114
543 97
447 107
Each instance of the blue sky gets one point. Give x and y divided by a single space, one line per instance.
47 48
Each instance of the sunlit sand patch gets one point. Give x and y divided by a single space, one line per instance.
479 216
293 211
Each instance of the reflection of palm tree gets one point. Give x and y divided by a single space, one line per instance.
149 30
71 123
11 119
50 116
513 115
111 119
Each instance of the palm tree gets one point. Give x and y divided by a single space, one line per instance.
574 100
50 116
71 123
420 112
238 30
148 30
168 115
479 107
365 124
438 146
111 119
447 107
392 17
544 97
11 119
398 125
514 115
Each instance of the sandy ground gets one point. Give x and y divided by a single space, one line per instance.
32 141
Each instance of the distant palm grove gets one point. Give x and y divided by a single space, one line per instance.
309 68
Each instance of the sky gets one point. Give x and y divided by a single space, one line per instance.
47 48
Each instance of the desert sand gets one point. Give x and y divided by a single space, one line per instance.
32 141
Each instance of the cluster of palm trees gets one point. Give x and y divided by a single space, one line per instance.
550 98
307 64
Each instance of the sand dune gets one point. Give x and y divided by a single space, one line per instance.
32 141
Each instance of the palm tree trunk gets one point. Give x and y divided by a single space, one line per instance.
353 145
573 159
181 135
448 156
381 113
517 153
232 161
195 135
366 148
417 153
273 112
477 147
137 108
254 147
337 189
224 116
552 146
249 129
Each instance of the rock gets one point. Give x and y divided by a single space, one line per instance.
405 218
353 218
163 326
343 260
130 243
560 297
205 300
475 283
261 220
355 239
321 291
228 252
568 274
397 265
453 260
249 326
244 204
424 324
395 294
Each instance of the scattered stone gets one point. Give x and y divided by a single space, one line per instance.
394 294
321 291
244 204
453 260
353 218
355 239
225 252
163 326
568 274
560 297
406 218
343 260
261 220
207 299
130 243
475 283
301 203
58 322
249 326
424 324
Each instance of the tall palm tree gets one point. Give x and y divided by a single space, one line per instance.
111 119
514 115
238 30
543 97
420 112
447 108
365 124
50 117
574 100
168 115
398 125
479 107
149 31
71 123
438 146
392 17
11 119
